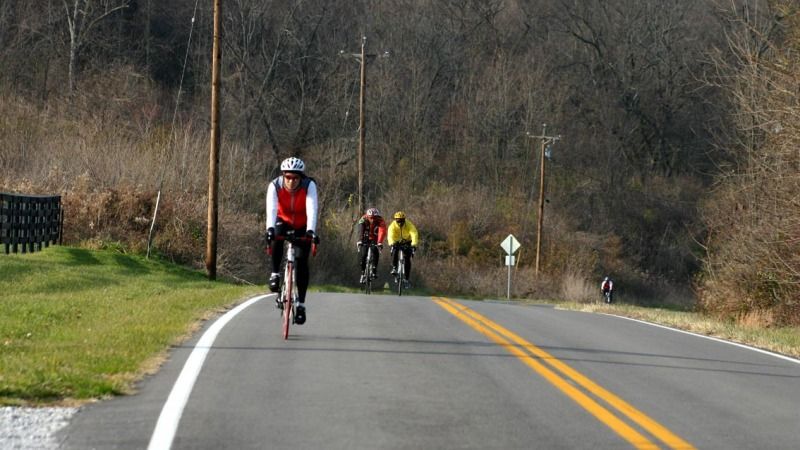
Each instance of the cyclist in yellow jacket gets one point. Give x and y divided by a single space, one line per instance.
402 233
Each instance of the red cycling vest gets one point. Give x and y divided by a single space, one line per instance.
292 205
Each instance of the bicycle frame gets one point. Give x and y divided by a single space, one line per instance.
401 270
369 267
400 276
288 291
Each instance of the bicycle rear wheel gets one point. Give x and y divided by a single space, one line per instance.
288 307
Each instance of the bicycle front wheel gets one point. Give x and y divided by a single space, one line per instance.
370 268
364 283
401 272
368 284
287 300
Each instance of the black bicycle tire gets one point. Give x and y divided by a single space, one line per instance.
368 270
371 266
288 313
401 271
365 273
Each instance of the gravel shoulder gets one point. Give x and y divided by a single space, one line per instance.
32 428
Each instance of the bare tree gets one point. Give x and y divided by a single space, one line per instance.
752 266
82 17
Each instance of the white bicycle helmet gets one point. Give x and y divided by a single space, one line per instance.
373 212
293 164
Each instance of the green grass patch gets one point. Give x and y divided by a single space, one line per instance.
78 324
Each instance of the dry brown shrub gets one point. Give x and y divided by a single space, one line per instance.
758 319
545 286
576 288
459 276
454 220
120 214
336 261
752 268
241 248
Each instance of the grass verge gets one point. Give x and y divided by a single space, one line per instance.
79 324
783 340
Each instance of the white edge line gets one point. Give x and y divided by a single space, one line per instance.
748 347
170 416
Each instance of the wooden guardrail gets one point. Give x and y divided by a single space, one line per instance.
30 222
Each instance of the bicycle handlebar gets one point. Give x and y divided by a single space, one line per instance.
292 238
303 238
371 243
405 245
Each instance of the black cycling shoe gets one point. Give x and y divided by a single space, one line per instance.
279 303
300 315
275 283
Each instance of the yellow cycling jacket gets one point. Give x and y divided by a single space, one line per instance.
407 232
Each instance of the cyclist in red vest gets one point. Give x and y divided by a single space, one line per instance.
607 286
292 205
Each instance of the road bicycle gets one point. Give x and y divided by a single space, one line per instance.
370 268
287 302
607 296
400 276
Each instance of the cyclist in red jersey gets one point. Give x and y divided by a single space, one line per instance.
371 228
292 205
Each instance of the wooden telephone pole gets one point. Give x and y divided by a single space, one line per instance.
362 131
363 58
213 160
545 141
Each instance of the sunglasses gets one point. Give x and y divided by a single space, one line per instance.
291 177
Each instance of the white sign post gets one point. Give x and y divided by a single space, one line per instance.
510 245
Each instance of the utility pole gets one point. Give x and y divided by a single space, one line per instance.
363 58
362 132
546 141
213 160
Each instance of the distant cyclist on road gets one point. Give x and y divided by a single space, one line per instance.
292 205
607 285
371 229
402 233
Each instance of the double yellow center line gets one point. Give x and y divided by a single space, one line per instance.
563 378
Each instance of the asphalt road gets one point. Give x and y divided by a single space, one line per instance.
387 372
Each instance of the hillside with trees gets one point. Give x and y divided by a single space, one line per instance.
677 171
